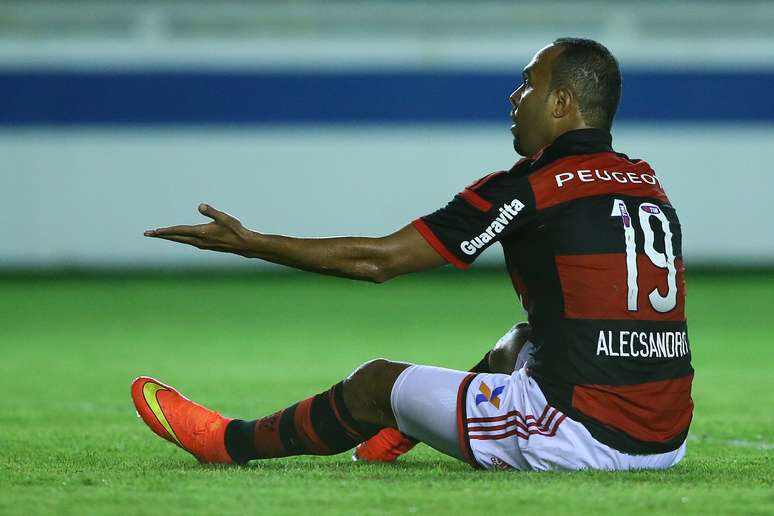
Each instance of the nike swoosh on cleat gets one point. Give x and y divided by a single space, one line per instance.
149 391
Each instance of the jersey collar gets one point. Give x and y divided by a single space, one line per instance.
579 141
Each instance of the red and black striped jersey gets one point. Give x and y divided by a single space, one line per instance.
594 250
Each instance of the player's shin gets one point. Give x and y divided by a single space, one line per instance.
319 425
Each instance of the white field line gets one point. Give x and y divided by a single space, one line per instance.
737 443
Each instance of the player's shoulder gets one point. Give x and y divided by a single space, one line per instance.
503 177
496 187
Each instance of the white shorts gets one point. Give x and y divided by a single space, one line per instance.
504 422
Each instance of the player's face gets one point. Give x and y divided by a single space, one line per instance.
531 114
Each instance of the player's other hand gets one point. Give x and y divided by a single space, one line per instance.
225 233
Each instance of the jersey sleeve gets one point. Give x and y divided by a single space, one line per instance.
483 213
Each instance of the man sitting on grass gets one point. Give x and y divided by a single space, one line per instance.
593 248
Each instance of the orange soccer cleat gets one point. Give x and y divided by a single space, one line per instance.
197 430
386 446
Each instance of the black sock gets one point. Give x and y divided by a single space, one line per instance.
319 425
239 439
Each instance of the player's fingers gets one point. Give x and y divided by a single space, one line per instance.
174 230
200 243
190 240
216 215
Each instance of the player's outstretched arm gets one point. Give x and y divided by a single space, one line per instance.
363 258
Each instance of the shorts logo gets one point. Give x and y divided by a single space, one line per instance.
499 463
492 396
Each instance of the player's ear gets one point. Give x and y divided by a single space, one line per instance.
563 101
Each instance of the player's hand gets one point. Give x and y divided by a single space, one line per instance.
225 233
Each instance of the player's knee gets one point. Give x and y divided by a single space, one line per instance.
365 381
367 390
502 358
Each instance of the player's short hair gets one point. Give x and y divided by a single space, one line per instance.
592 73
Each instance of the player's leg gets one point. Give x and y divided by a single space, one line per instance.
328 423
507 355
511 351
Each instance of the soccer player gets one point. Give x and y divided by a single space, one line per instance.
593 247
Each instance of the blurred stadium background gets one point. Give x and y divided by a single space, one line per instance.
319 118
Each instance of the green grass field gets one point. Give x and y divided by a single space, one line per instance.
70 442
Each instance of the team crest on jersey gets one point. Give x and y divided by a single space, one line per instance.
487 394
